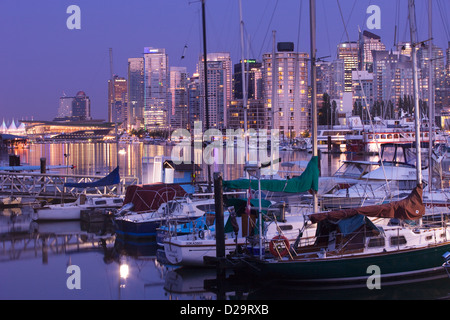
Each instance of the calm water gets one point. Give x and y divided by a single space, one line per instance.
34 257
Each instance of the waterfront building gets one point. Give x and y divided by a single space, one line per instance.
348 52
368 42
92 130
135 93
117 104
156 89
219 89
179 116
288 110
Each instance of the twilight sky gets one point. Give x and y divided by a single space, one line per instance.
41 59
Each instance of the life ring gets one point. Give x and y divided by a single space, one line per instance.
275 246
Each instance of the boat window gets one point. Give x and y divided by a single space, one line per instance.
383 136
376 242
370 136
389 136
207 207
100 202
396 135
118 201
428 238
397 240
286 227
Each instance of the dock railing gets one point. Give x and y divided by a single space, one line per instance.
52 184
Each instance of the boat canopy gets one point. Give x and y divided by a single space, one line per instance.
112 178
308 180
410 208
151 196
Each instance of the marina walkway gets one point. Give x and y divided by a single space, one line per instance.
51 185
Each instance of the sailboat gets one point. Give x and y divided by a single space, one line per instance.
390 241
72 210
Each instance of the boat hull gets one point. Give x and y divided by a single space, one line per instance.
392 265
143 228
62 213
132 229
191 253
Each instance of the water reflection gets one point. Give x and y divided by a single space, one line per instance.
102 158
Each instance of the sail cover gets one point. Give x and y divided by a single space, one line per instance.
308 180
410 208
112 178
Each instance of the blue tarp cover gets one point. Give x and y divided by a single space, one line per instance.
112 178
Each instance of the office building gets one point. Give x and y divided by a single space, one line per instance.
118 100
348 52
368 42
156 89
179 115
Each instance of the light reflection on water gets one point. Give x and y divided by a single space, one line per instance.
34 256
102 158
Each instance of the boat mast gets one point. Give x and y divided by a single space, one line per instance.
244 88
244 82
205 73
312 14
114 113
430 94
413 30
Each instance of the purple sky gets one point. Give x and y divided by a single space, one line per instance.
40 58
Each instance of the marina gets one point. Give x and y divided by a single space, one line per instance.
291 178
36 254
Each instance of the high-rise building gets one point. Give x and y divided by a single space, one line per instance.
446 93
368 42
194 98
135 93
81 107
393 77
289 107
117 104
65 108
74 108
253 76
219 89
437 76
363 90
330 79
178 114
156 89
348 52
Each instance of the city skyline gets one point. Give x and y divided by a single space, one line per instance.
42 59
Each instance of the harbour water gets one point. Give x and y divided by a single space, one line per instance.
36 259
